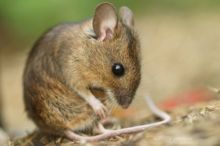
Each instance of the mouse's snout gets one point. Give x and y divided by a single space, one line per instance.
124 101
124 98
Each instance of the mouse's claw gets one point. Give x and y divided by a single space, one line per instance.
101 111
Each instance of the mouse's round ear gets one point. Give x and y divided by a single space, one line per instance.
104 21
126 16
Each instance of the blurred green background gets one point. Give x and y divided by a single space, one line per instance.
179 39
22 21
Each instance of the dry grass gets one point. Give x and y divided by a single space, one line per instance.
194 126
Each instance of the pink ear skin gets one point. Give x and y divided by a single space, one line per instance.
126 16
104 21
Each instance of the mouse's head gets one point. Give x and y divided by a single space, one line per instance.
114 55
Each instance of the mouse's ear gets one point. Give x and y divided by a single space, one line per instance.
104 21
126 16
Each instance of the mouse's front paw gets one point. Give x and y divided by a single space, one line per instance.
100 109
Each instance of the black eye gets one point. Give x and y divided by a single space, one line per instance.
118 69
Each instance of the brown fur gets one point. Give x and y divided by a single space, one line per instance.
67 56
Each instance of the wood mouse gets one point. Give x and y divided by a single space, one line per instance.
76 71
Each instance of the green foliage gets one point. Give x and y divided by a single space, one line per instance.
29 18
